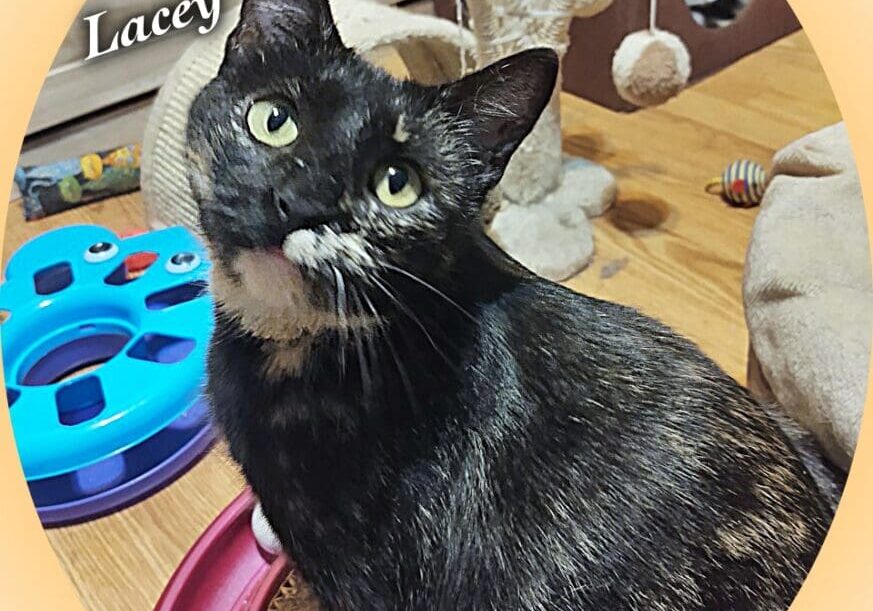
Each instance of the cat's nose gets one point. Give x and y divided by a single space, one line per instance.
298 215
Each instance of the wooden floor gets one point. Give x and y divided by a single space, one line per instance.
666 247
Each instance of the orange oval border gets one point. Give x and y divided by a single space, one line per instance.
30 33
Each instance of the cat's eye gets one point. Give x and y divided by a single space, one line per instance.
271 123
397 185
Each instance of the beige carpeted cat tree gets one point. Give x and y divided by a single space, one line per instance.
541 210
540 214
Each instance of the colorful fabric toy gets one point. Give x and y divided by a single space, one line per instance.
55 187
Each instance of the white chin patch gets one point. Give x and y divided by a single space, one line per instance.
326 247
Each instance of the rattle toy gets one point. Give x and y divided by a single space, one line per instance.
104 368
742 184
227 570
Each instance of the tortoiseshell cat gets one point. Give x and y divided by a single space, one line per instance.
428 425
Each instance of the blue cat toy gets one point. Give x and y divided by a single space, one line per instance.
104 367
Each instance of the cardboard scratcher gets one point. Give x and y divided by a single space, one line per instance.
293 595
587 67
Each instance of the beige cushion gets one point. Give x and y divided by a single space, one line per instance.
807 289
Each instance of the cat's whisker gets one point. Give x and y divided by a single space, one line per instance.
386 337
368 338
403 308
404 376
370 305
366 381
430 287
343 327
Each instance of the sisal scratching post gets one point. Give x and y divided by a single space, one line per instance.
540 212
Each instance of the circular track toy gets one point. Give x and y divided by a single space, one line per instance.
227 570
104 343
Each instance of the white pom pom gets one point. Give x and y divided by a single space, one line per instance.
264 534
650 67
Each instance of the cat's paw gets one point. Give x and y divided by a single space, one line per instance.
264 533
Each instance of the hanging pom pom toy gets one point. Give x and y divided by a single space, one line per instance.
651 66
742 184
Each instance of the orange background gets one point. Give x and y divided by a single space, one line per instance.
30 34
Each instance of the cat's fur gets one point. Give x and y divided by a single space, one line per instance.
429 426
716 13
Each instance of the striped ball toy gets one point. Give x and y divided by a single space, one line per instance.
741 184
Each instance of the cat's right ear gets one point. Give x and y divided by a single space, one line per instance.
276 23
502 102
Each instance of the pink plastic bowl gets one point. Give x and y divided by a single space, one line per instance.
226 570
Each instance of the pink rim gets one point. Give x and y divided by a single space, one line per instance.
226 570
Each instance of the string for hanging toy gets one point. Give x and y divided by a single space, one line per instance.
459 20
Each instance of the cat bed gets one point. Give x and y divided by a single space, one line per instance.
430 48
807 291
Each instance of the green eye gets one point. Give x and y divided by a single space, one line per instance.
397 185
271 124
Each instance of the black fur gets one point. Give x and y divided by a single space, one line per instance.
717 13
483 439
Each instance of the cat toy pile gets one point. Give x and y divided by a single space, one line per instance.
104 364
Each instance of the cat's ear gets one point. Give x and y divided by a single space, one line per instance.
503 101
277 22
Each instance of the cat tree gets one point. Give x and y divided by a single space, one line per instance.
540 213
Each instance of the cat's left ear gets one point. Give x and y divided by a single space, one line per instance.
503 101
280 22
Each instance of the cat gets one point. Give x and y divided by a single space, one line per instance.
716 13
428 425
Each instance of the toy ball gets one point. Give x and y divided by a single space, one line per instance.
742 184
650 67
104 346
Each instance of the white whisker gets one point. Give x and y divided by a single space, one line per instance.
342 317
430 287
413 318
